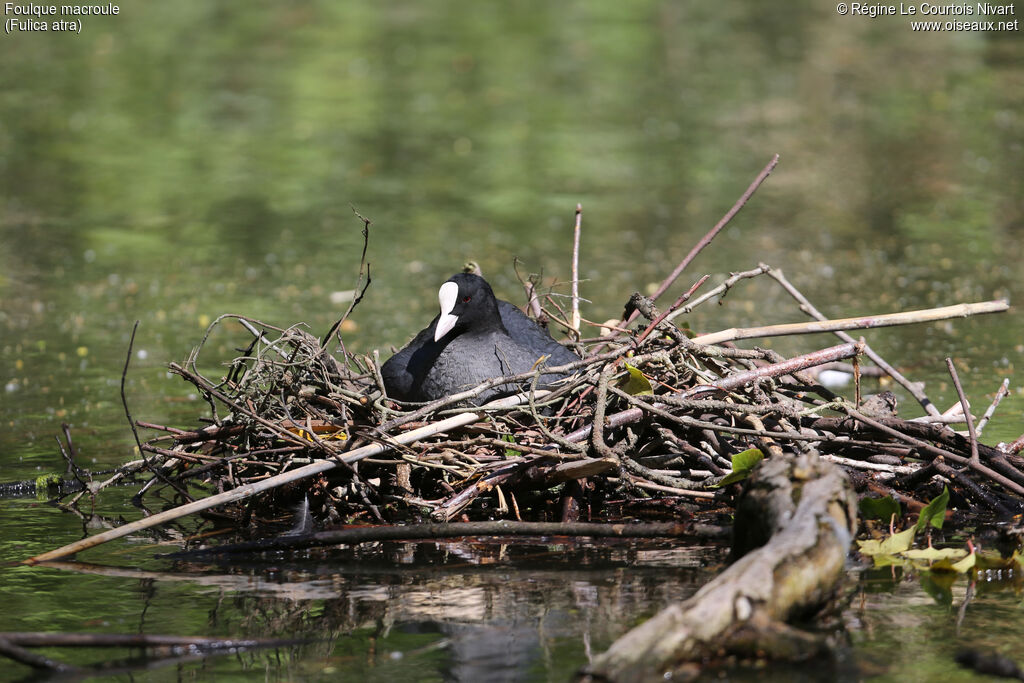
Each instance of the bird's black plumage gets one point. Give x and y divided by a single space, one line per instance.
481 338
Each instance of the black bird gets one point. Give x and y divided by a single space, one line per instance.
474 338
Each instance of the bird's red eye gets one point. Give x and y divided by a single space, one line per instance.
466 299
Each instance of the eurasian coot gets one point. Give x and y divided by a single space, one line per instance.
474 338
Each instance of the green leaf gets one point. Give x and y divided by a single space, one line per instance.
934 512
637 383
897 543
965 565
880 508
746 460
886 560
742 463
901 542
510 452
871 546
935 554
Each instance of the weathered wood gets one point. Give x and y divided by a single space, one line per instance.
805 509
862 323
414 532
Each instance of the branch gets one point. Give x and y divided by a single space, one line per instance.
414 532
867 322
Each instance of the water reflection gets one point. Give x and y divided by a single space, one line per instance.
464 611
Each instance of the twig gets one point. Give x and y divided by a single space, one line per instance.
414 532
69 456
721 290
1004 389
243 492
967 411
1016 446
575 319
976 491
927 447
124 399
866 322
856 378
731 383
785 367
683 298
359 297
597 434
206 386
807 307
131 421
650 486
706 240
871 466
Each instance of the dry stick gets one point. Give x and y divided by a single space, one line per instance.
967 411
660 488
706 240
870 466
928 434
193 356
532 300
248 490
810 310
575 319
72 454
733 382
483 386
659 409
1004 389
358 297
959 477
683 298
414 532
722 289
131 421
924 445
866 322
785 367
204 385
455 504
509 446
856 379
124 399
597 430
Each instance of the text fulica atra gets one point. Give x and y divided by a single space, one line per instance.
474 338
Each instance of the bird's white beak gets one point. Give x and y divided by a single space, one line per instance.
448 295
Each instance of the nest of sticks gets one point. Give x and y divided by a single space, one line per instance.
646 428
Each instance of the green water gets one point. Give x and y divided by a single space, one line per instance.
182 160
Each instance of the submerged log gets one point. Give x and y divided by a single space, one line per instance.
793 529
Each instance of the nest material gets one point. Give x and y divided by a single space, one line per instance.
646 428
